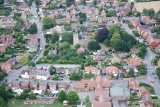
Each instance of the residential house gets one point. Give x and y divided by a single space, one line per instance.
14 84
32 42
112 70
157 49
80 87
104 93
43 86
25 74
134 84
159 63
6 67
52 86
101 103
143 91
147 101
90 69
58 29
2 47
80 50
34 85
24 84
41 74
136 61
119 92
63 85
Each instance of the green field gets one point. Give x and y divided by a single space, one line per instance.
14 103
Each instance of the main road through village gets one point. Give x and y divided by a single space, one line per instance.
15 73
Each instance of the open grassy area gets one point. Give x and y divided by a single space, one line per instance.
148 5
14 103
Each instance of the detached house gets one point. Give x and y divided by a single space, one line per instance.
112 70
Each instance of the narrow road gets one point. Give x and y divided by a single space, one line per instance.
40 32
147 60
14 74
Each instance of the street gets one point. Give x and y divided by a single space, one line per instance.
40 32
14 74
147 60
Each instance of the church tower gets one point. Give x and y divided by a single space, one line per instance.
75 38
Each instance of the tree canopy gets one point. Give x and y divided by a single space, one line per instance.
1 2
72 97
48 22
69 2
67 37
62 96
102 35
93 46
33 29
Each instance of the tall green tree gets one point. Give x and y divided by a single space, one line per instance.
93 46
84 2
1 2
67 37
55 37
48 22
72 97
62 96
33 29
116 40
2 102
158 72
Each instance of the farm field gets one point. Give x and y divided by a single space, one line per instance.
148 5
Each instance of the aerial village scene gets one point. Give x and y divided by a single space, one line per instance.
79 53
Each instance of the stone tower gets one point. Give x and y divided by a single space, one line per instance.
75 38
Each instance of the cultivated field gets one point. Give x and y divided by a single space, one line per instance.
148 5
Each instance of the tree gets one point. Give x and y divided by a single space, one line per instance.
88 75
102 35
33 29
32 96
56 77
55 37
142 70
158 72
95 2
2 102
37 2
87 99
72 97
52 70
84 2
82 16
69 2
93 46
24 59
1 2
62 96
32 64
75 76
115 40
1 76
115 60
48 23
67 37
131 73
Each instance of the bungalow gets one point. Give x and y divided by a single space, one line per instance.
112 70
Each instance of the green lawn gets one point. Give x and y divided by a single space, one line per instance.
14 103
